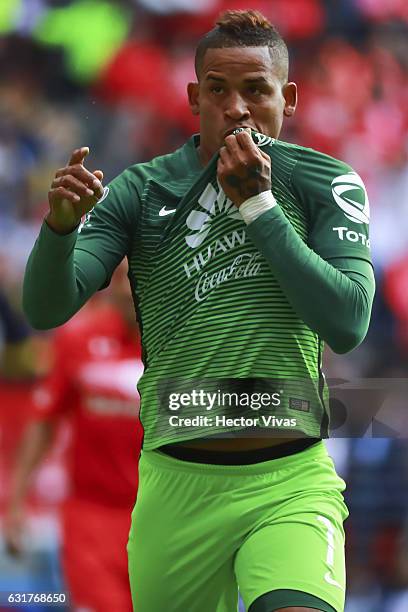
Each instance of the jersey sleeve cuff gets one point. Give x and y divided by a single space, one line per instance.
56 244
255 206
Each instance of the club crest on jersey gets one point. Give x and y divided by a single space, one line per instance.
262 140
85 220
104 195
350 195
199 221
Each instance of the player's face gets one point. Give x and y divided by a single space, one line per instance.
239 87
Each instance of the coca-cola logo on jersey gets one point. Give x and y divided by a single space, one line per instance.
243 266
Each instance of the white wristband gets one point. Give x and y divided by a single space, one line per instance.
252 208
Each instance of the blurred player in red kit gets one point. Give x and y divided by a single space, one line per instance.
93 383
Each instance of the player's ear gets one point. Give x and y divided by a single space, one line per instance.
193 98
290 94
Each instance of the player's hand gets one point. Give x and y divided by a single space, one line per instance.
74 192
14 523
243 169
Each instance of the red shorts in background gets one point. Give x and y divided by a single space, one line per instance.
94 556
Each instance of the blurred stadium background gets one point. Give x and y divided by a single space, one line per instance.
112 75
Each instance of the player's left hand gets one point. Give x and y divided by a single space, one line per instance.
243 169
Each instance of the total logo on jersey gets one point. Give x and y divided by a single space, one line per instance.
344 233
350 195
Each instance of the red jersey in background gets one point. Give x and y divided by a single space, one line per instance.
93 381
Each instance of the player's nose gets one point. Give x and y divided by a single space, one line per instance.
236 107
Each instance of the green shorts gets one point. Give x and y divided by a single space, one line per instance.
274 529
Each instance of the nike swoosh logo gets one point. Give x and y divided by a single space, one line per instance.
163 212
331 580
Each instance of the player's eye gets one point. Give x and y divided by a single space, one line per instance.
254 91
217 89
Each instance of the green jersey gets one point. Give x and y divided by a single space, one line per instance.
213 316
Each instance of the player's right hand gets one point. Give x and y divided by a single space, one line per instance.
74 192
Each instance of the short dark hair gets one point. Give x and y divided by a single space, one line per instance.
245 29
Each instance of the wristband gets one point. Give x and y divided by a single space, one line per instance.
253 208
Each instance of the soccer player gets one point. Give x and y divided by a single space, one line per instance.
92 384
245 255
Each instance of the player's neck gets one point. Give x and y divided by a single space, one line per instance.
203 155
